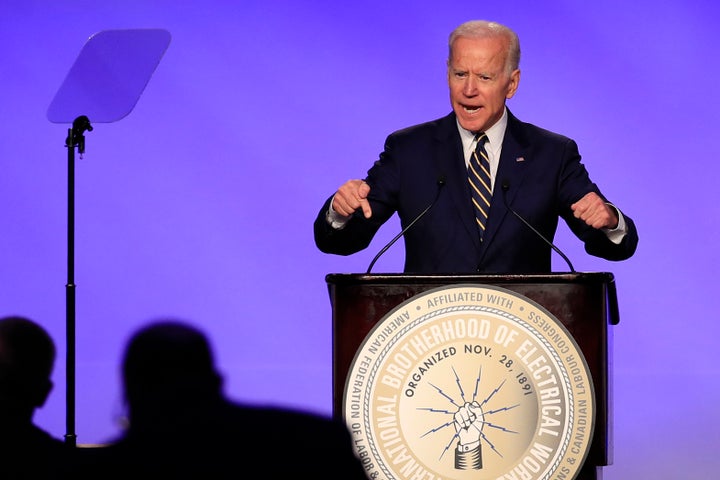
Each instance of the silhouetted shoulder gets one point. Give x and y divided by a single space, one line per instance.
302 437
31 453
233 441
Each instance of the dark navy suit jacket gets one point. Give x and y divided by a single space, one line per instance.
542 174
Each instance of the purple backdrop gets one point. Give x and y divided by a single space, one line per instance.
199 204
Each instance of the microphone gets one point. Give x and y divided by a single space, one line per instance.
440 184
505 188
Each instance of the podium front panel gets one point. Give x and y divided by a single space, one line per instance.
583 302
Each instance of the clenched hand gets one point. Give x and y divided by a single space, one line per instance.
593 210
350 196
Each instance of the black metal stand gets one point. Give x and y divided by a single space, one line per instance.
74 139
120 63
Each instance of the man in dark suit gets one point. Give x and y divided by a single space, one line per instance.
536 173
182 426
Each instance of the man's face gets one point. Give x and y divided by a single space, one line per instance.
478 81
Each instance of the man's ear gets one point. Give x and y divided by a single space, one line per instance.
514 84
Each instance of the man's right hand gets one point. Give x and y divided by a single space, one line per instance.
351 196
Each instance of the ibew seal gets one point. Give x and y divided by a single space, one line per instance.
470 382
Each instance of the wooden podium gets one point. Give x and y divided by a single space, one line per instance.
585 303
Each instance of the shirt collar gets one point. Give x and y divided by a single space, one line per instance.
495 134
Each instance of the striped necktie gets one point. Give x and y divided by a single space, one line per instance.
479 176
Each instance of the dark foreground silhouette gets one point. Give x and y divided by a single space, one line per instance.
27 358
182 426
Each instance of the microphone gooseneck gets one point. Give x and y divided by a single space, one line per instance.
505 188
440 184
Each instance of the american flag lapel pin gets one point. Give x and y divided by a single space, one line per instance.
519 159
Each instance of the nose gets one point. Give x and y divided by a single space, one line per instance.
470 86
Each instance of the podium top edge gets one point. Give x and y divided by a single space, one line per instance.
345 278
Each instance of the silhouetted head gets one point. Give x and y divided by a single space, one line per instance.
168 364
27 357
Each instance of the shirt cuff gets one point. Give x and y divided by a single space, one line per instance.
336 220
616 234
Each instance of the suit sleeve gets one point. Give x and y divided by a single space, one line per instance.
574 184
356 235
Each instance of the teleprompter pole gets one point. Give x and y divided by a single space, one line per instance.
74 139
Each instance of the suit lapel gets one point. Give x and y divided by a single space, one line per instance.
450 161
511 170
